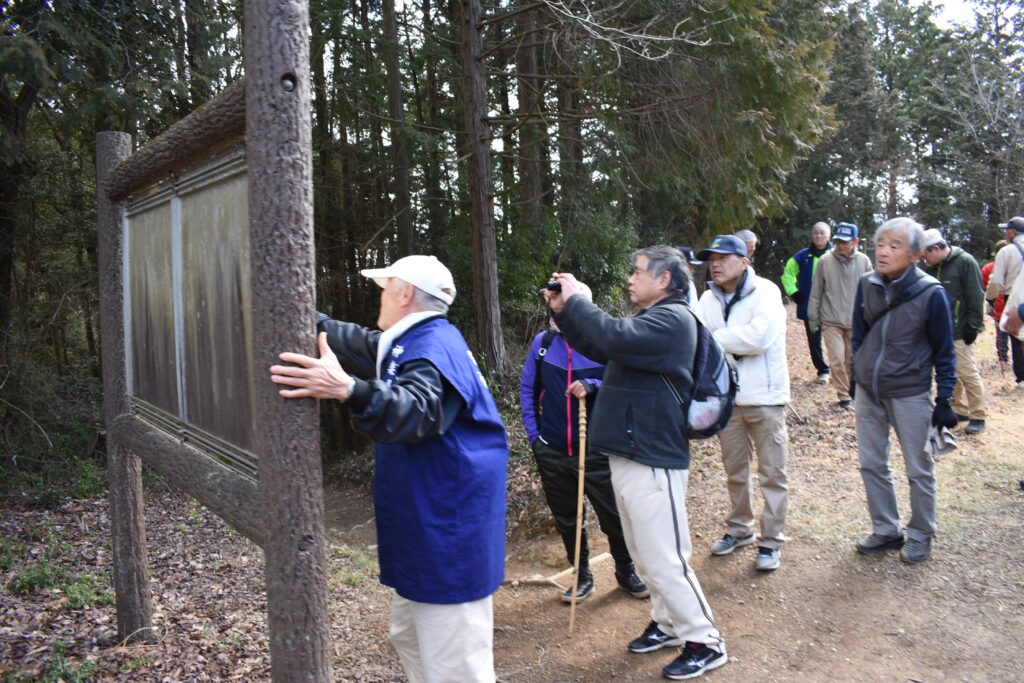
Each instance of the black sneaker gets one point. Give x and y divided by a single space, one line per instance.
876 545
584 587
916 551
974 427
653 639
632 584
695 660
845 404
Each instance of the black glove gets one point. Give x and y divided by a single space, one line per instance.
797 297
943 415
970 334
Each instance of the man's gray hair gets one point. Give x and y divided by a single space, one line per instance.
913 230
661 258
428 302
822 224
747 236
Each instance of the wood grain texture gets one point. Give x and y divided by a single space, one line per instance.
124 470
287 433
229 494
214 127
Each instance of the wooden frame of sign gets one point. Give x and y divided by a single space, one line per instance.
206 274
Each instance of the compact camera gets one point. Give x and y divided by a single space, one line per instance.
553 286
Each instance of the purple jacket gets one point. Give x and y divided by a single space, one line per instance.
558 421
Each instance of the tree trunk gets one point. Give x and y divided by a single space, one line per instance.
485 250
200 84
399 141
532 129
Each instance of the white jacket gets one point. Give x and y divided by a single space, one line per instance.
755 336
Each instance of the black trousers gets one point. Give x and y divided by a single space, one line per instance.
814 344
559 477
1017 357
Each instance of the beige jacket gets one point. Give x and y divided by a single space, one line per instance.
834 288
1008 265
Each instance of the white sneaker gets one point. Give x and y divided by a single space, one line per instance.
823 379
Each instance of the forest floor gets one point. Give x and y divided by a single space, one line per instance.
826 614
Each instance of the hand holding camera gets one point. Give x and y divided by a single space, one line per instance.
559 288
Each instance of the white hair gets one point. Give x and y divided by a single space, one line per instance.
913 230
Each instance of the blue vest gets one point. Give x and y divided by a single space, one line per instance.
440 502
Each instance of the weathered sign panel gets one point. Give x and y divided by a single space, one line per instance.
188 312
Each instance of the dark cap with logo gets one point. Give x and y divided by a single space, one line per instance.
724 244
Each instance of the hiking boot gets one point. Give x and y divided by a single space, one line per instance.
768 559
726 544
916 551
876 545
584 587
824 379
845 404
631 583
974 427
653 638
695 660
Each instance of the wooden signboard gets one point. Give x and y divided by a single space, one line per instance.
206 274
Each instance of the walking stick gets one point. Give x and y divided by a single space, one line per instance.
579 514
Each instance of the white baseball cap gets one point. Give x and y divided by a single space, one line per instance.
422 272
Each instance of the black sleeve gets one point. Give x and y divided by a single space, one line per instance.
420 404
355 345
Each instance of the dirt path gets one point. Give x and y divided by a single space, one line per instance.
826 615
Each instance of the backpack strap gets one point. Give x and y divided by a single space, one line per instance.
545 344
1020 250
924 284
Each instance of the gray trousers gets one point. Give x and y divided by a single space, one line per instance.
910 416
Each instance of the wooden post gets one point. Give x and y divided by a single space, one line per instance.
582 456
124 470
287 438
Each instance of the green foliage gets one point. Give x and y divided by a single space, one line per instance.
81 589
63 671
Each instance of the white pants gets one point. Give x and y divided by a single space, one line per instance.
652 507
444 643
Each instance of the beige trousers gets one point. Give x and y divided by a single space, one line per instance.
760 428
968 394
839 346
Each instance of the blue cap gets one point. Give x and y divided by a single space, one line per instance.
724 244
688 255
845 232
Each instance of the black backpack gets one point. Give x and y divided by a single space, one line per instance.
715 382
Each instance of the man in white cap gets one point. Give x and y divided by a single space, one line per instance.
440 470
1009 261
961 278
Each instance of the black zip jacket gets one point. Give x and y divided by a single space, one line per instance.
419 405
636 416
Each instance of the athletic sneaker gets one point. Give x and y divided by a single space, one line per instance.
584 587
768 559
726 544
653 638
875 544
632 584
916 551
823 379
695 660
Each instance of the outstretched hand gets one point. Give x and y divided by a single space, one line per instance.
321 377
